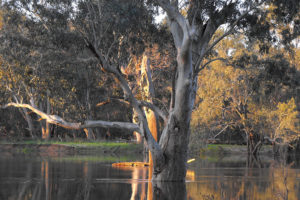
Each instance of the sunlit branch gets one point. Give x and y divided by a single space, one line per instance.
203 66
219 133
57 120
155 109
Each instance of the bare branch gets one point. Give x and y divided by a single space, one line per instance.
57 120
149 105
52 119
154 108
230 31
203 66
158 158
109 100
229 124
106 124
221 131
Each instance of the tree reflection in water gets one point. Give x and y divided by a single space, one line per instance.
25 178
155 191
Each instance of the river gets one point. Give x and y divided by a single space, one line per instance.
34 177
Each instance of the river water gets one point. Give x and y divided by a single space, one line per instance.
35 177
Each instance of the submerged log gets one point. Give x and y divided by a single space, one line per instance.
131 164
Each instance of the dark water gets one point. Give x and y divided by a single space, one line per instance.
31 177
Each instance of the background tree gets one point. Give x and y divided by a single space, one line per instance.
238 95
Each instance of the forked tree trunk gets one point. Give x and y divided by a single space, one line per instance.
175 137
27 118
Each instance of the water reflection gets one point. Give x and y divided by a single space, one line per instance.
29 177
263 180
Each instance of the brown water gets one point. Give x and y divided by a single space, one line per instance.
30 177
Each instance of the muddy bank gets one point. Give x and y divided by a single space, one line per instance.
43 149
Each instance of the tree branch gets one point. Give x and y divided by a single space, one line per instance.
154 108
176 17
230 31
149 105
172 12
203 66
158 157
106 124
57 120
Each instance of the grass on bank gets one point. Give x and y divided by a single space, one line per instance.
96 158
79 144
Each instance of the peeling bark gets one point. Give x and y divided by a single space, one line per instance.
46 125
148 94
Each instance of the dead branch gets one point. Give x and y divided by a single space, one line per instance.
57 120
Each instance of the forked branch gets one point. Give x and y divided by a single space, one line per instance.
229 32
158 158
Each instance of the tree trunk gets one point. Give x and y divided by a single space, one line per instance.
175 137
27 118
45 125
136 135
88 131
29 122
175 147
148 94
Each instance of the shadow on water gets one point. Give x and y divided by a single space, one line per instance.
230 177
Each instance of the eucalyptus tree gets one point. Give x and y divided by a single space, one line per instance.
107 28
239 104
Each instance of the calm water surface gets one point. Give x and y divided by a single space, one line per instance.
33 177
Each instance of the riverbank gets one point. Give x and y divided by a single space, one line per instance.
56 148
223 149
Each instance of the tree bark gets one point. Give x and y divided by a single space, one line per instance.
29 122
148 94
88 131
137 135
175 137
45 124
27 118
